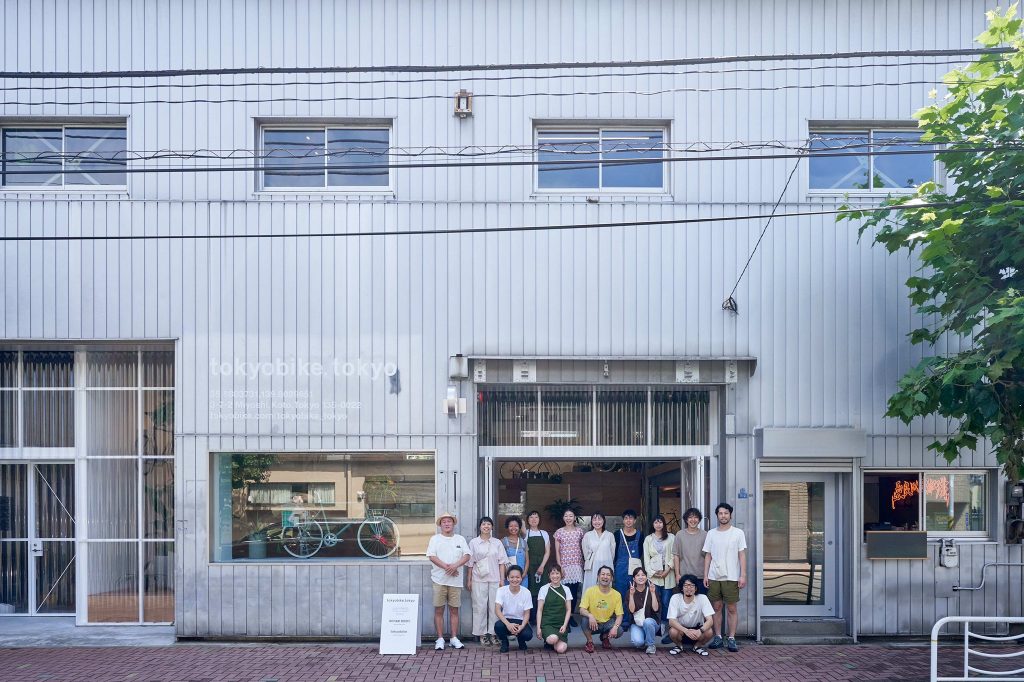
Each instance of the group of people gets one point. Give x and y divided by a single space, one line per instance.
606 583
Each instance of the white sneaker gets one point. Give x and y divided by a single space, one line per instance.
454 643
439 644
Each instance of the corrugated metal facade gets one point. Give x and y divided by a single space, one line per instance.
825 315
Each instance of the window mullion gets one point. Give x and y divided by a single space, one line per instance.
600 158
327 173
63 151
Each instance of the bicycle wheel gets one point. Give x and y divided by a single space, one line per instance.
378 537
303 540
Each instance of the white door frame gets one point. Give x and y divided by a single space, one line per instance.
832 548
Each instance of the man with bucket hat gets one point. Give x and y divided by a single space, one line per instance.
448 552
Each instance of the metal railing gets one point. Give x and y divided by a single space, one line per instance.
971 671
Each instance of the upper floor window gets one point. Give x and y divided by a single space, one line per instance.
326 157
54 155
869 159
613 158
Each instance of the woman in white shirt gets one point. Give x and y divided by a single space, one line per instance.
659 558
487 562
598 550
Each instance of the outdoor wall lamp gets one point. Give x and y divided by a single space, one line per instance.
453 405
463 103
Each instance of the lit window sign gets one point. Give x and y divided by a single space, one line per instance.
937 488
905 490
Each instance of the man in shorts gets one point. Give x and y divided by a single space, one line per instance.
448 552
725 573
690 618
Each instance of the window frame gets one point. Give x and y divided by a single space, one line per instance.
974 535
600 127
214 549
868 129
64 124
301 124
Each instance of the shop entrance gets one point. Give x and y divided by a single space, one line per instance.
801 552
37 538
665 487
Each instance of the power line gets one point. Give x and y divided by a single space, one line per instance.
582 148
411 68
490 79
364 168
730 302
483 95
478 230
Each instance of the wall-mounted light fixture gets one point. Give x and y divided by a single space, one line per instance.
463 103
453 405
458 366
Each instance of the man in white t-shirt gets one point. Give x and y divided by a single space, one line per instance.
690 618
725 572
512 606
448 552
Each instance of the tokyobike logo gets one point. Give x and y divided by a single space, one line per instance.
302 367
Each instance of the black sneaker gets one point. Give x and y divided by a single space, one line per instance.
504 647
522 645
730 644
715 643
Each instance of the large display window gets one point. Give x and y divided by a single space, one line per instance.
287 506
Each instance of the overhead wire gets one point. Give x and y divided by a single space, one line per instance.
481 230
483 95
527 66
487 79
368 167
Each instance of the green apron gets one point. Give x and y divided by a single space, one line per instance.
554 613
535 552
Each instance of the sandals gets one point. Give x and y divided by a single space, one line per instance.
589 648
699 650
675 651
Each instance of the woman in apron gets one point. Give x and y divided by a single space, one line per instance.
554 606
538 551
515 547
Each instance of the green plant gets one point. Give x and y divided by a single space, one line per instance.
968 240
559 506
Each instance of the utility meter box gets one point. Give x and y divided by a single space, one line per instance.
949 554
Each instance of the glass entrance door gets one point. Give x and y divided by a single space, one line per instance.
799 545
37 538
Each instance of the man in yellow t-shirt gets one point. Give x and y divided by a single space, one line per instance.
601 610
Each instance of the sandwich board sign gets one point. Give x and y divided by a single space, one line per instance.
400 624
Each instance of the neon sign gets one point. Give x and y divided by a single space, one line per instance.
905 490
937 488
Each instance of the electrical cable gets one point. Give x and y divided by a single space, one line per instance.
482 230
489 79
730 302
483 95
412 68
369 168
583 148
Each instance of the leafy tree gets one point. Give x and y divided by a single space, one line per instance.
969 239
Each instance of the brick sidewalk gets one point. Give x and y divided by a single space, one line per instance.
327 663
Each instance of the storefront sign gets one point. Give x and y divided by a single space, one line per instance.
399 624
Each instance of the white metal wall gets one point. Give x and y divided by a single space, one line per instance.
825 315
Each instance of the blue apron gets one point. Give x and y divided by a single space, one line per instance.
517 557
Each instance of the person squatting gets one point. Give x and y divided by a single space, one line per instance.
531 583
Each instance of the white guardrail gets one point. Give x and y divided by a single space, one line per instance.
970 669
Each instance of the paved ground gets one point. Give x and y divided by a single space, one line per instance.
334 663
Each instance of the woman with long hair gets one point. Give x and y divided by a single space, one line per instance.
569 554
598 549
643 603
659 558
